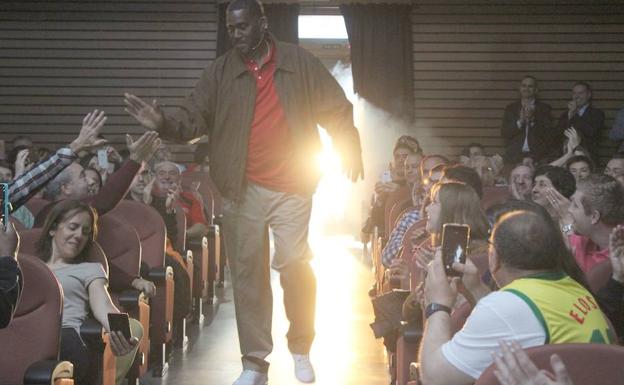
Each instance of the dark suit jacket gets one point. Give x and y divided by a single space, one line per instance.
542 136
588 126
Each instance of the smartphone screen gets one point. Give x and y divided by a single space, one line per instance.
102 157
119 322
4 205
455 239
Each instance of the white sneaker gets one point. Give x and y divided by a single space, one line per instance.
251 377
303 368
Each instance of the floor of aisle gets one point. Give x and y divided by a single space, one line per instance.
344 352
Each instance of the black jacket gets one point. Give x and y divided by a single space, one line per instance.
10 289
544 139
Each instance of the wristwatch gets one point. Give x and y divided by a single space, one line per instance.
435 307
567 228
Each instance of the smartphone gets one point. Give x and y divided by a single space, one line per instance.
386 177
119 322
455 238
102 157
5 205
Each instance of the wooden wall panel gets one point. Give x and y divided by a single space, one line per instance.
62 58
470 56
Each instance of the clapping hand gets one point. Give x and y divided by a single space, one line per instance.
144 148
514 367
573 140
22 161
560 204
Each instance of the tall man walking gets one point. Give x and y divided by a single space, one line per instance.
260 104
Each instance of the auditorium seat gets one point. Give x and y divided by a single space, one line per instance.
399 197
150 227
587 364
30 343
122 249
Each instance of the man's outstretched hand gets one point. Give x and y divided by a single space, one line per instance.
148 116
351 155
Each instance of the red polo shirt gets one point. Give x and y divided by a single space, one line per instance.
270 152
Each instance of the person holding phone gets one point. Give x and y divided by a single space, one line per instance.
69 230
543 299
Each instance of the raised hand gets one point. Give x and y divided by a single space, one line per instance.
21 162
146 287
616 252
560 204
144 148
88 137
573 139
148 116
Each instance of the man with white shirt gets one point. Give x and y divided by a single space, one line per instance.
540 301
527 126
587 120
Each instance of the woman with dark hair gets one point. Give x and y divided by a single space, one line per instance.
580 166
68 233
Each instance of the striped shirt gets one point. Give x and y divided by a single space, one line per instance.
395 241
30 182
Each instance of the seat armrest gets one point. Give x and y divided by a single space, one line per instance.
130 299
159 275
213 230
193 244
91 334
411 331
45 372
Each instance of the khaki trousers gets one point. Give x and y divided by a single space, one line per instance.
246 224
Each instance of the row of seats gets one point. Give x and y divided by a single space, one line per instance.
131 235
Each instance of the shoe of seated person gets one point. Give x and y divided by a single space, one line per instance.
303 368
251 377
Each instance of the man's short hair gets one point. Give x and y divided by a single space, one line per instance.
561 179
604 194
580 158
464 174
529 77
158 165
584 84
254 7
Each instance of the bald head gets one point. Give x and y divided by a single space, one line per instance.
526 240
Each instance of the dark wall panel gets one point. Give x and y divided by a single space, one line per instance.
60 59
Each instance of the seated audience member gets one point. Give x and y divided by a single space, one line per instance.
22 141
6 172
94 181
455 202
403 147
580 166
594 210
488 168
67 235
521 182
615 166
582 116
611 296
514 367
538 302
201 161
527 126
71 183
168 191
10 275
616 133
474 150
431 167
141 187
412 170
550 177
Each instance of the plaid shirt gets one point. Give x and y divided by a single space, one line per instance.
30 182
395 242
